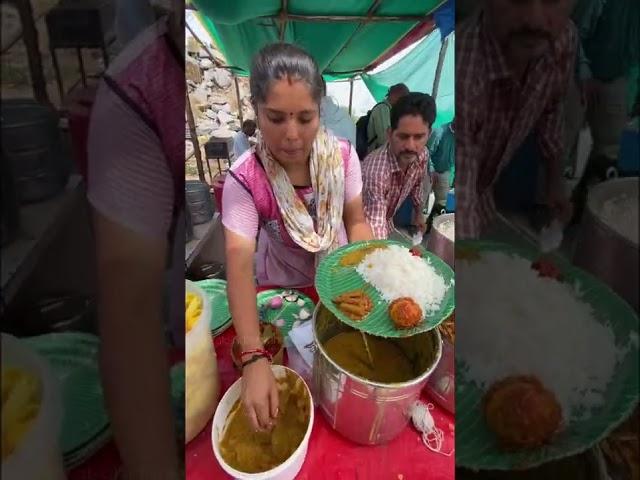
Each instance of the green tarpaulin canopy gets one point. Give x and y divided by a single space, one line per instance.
341 48
417 70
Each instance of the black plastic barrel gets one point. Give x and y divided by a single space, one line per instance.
188 227
32 143
9 202
199 201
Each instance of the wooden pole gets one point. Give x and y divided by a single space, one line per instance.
372 10
283 20
215 61
441 56
351 18
30 38
235 80
344 18
350 95
194 139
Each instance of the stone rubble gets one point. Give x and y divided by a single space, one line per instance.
212 94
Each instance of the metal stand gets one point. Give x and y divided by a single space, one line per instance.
79 26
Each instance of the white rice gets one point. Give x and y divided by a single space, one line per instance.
621 214
394 272
510 321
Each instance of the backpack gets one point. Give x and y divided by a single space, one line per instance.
362 135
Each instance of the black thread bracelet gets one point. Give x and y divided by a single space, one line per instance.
255 358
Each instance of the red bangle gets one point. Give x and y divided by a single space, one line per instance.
259 351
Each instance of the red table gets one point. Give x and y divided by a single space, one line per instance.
330 456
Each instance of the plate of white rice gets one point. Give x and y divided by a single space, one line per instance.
384 275
576 336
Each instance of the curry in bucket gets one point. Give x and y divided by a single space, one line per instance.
255 452
390 364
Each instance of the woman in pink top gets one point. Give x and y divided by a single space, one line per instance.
298 191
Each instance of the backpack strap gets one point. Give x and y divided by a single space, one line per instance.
370 142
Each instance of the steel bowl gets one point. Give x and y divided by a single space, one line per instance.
602 251
366 412
438 243
441 386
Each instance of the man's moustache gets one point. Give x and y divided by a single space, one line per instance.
409 153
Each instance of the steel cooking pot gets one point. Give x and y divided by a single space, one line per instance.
366 412
602 251
438 243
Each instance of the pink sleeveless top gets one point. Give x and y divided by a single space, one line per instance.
152 84
250 208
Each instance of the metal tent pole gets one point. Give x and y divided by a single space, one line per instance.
441 56
350 95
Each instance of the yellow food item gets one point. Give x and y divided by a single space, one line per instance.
21 399
354 257
254 452
390 364
193 309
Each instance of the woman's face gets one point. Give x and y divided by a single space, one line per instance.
289 120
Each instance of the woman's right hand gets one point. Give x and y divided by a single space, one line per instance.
260 394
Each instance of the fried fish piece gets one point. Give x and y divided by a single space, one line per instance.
356 304
522 412
405 312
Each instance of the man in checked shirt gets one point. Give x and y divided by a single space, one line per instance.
514 60
397 169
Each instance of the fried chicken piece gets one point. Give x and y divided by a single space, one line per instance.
405 312
522 412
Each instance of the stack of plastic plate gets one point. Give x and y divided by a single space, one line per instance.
74 360
220 316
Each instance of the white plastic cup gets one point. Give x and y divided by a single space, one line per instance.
42 439
286 470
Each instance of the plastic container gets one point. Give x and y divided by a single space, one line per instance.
451 201
285 471
629 157
202 382
298 364
218 187
42 440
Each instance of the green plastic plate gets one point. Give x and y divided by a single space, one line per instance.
476 446
296 308
220 315
83 453
73 358
332 279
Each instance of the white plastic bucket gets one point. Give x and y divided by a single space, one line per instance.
42 440
202 383
285 471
